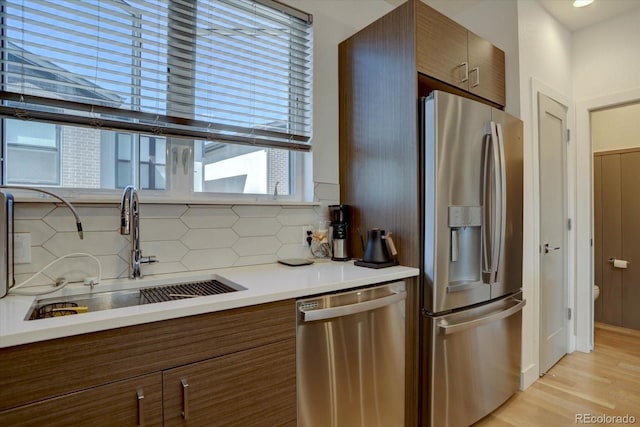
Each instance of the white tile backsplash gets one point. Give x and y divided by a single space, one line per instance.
164 251
209 217
152 229
33 210
262 245
39 258
251 211
92 218
39 230
209 258
162 211
290 234
293 251
94 242
182 237
245 227
209 238
297 216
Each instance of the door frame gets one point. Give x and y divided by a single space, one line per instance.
531 255
584 205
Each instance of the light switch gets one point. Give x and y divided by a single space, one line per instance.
22 248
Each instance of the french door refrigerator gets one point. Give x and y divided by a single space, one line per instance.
472 308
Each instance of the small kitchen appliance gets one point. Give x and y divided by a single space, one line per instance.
340 218
380 251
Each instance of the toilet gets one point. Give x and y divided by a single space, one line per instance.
596 292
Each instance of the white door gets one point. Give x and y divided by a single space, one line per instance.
554 320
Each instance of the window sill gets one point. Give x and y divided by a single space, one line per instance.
151 197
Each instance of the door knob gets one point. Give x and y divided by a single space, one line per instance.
548 249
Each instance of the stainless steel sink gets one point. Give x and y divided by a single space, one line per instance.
63 306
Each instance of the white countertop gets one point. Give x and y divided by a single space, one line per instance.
263 283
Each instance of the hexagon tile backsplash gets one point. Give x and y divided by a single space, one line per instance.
182 237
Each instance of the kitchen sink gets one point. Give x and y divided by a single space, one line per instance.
68 305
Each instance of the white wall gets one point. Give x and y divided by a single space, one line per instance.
545 65
606 72
333 21
605 57
616 128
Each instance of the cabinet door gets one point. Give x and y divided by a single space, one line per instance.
441 47
253 387
486 69
134 402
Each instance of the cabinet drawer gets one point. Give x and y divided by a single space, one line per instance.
134 402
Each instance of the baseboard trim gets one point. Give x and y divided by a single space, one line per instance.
528 376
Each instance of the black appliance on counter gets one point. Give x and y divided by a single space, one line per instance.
340 218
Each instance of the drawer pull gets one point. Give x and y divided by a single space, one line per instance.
185 398
140 413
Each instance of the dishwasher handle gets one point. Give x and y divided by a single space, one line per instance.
346 310
459 327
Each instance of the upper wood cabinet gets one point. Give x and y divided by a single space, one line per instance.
447 51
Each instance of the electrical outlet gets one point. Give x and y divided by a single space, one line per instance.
306 234
22 248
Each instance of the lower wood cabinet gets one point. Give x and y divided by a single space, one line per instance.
251 387
230 368
134 402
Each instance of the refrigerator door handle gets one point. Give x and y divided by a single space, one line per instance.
346 310
485 186
495 209
503 194
446 329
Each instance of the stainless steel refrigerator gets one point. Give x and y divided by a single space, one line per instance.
472 311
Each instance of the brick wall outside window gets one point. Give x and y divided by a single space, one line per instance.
80 149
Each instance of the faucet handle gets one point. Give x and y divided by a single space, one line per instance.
151 259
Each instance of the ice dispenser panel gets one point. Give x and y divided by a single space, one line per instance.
465 230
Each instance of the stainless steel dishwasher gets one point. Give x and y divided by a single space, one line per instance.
350 358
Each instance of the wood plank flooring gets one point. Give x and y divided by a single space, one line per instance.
605 382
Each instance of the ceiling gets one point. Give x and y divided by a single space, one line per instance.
573 18
578 18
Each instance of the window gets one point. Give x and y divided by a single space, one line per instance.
203 96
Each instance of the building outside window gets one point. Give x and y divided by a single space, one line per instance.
145 96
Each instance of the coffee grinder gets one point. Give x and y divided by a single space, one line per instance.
340 217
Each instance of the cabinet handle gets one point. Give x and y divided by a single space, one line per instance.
477 71
185 398
466 71
140 413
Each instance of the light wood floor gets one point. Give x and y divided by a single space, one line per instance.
605 382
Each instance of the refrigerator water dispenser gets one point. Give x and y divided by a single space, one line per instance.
465 230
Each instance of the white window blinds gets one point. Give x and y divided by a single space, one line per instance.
235 71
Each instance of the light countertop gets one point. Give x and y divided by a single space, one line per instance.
263 283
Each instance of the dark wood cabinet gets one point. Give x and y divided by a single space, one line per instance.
251 387
240 360
384 69
486 70
441 46
133 402
448 52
